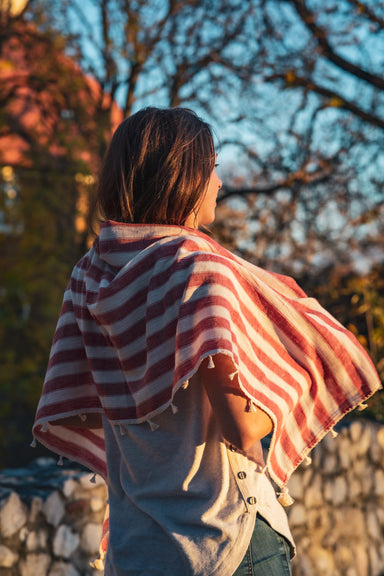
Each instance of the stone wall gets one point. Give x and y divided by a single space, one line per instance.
50 520
50 516
338 515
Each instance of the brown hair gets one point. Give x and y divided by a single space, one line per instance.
157 167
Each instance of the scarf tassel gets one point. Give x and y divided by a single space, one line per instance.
98 564
285 499
153 425
251 407
362 407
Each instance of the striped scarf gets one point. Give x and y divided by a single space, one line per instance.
148 303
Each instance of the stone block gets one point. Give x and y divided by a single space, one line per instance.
295 486
36 507
373 525
359 466
13 515
297 515
354 489
69 487
53 509
379 482
98 504
375 450
339 490
349 524
375 561
329 443
344 557
23 534
318 522
346 452
35 565
65 542
37 540
90 538
7 557
363 445
307 476
355 431
367 477
322 561
63 569
380 438
313 494
330 464
328 491
361 559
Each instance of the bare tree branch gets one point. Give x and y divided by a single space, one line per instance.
308 18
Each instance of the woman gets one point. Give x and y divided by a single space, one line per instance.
173 358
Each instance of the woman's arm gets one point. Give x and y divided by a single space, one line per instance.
239 427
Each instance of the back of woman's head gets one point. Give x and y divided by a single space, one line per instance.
156 168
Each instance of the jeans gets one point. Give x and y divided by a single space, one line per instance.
267 554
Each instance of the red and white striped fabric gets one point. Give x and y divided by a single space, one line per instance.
147 304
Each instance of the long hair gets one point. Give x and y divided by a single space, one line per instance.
156 169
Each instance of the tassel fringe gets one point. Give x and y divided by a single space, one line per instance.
174 409
231 376
153 425
33 443
308 461
251 407
285 499
98 564
211 363
93 479
60 461
334 434
362 407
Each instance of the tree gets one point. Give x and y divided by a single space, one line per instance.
297 110
293 87
47 148
317 115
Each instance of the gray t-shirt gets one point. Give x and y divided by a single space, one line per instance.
182 501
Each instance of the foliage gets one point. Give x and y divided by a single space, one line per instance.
41 152
36 255
358 303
